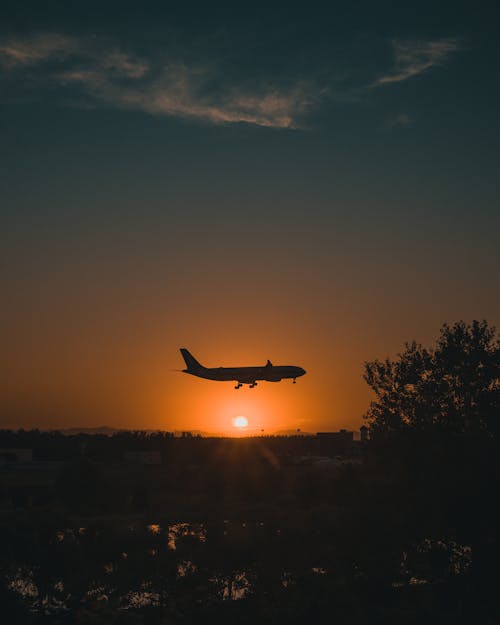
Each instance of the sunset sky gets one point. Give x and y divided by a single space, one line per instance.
314 186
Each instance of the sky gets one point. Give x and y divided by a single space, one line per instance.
313 185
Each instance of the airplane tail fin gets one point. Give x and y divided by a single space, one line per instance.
191 363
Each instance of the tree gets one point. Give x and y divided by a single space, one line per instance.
454 387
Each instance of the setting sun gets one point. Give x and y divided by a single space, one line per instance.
240 422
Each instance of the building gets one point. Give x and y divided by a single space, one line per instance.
342 435
334 443
18 456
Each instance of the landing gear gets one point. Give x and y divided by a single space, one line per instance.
240 384
294 381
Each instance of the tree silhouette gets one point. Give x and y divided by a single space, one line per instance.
454 387
435 427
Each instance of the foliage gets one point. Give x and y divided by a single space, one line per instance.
454 387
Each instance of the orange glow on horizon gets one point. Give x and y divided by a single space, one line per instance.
127 376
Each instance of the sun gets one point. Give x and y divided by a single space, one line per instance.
240 422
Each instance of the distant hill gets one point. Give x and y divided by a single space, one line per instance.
290 432
105 430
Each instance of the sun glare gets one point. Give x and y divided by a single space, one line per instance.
240 422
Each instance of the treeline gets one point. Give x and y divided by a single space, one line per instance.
54 445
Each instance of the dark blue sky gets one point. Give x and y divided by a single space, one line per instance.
316 184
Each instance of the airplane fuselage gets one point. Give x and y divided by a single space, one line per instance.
241 375
248 375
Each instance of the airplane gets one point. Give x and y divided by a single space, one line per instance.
241 375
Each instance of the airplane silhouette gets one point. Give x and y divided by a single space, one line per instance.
241 375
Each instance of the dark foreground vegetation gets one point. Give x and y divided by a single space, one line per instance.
402 529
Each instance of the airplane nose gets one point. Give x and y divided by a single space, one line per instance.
302 371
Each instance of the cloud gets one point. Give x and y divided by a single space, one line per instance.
40 47
101 72
412 58
124 64
82 53
110 75
401 119
181 91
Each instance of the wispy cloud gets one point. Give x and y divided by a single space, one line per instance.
110 75
412 58
41 47
102 72
401 120
86 54
181 91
